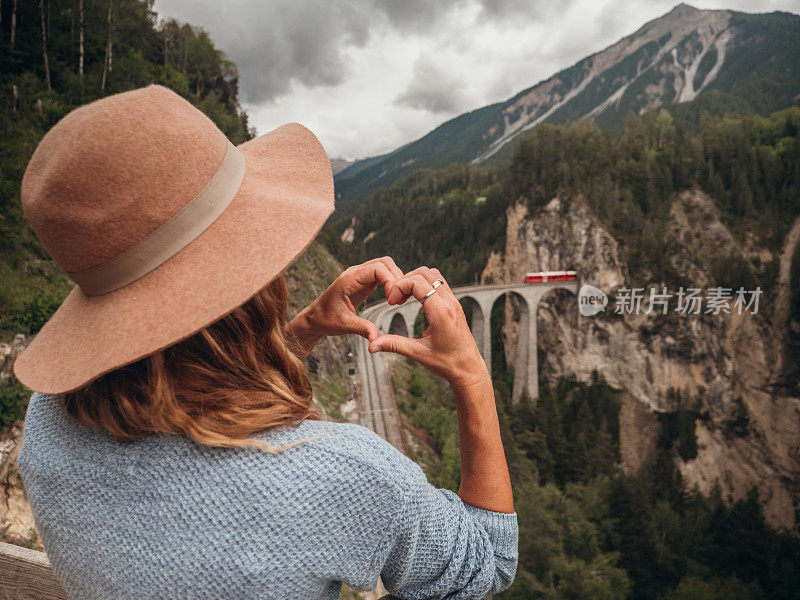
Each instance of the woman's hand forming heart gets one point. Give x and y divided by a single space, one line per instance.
334 312
446 347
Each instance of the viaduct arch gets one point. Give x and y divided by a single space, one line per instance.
480 299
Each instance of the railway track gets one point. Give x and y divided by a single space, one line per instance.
377 408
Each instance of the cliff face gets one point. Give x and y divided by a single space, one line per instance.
717 367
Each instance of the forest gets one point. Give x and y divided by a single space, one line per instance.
588 529
455 216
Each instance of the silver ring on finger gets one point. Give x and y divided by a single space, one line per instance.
437 283
428 295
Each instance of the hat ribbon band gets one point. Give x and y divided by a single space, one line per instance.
170 237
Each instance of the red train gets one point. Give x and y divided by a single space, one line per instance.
551 276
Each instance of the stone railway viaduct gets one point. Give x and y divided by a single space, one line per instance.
479 299
377 408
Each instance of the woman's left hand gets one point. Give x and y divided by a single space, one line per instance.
334 312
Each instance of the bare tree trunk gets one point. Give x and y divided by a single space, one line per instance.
44 48
14 98
110 31
107 62
71 30
13 24
80 57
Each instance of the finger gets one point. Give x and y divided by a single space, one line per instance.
404 288
360 326
417 286
397 344
388 261
434 274
390 264
431 274
418 271
371 274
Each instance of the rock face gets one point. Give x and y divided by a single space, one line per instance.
16 519
718 366
8 354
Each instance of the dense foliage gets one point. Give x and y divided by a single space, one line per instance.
587 529
45 73
454 217
450 218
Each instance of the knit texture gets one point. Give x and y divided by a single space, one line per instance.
165 517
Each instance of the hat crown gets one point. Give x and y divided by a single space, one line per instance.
111 172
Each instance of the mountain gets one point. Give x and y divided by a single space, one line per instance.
340 164
716 60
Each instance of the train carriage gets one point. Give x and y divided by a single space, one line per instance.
551 276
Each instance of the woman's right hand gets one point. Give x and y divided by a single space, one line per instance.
446 347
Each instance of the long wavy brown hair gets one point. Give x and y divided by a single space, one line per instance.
237 377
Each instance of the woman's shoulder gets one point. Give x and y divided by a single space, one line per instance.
351 445
315 445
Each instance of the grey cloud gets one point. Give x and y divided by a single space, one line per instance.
433 90
416 15
277 42
523 11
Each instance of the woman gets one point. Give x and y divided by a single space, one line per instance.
170 448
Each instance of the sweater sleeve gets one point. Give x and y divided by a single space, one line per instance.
439 546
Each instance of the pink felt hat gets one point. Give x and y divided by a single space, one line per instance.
163 223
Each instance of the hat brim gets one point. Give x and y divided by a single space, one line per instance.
284 200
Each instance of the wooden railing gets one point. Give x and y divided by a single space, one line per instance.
27 575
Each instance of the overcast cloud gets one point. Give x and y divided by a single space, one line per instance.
367 76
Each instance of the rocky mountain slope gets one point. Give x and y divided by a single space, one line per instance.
709 58
712 372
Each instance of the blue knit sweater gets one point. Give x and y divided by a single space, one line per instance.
165 517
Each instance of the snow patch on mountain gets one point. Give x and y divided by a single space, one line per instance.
683 37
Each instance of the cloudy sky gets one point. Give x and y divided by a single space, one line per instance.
367 76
